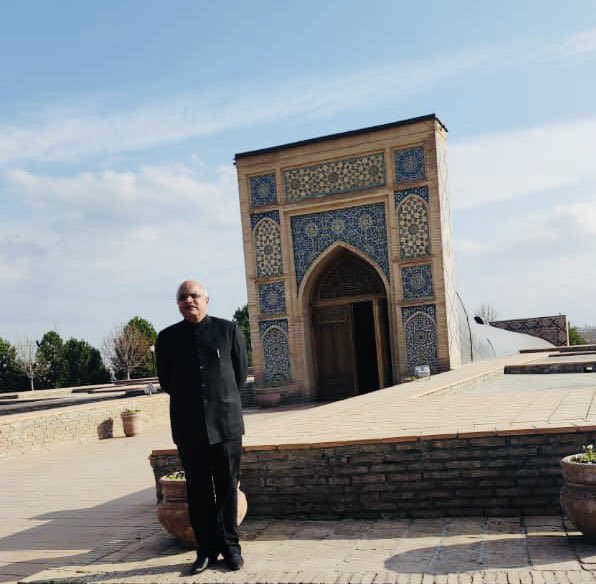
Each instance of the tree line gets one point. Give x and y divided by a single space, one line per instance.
127 352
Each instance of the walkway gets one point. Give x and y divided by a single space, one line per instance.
93 506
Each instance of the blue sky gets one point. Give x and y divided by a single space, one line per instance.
119 122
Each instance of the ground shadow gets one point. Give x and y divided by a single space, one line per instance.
75 529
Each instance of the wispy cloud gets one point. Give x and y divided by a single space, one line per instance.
502 166
78 132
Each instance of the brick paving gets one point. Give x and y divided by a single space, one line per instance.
86 513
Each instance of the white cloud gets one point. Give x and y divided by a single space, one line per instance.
66 134
502 166
108 245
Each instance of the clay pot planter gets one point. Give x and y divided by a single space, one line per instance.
578 493
172 510
131 422
268 398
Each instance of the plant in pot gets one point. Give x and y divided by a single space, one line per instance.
578 493
131 421
172 510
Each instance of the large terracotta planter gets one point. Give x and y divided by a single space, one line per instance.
172 510
131 423
578 494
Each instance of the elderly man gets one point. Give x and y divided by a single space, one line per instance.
202 364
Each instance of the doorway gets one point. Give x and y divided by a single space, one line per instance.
350 329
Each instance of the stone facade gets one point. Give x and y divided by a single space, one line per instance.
378 195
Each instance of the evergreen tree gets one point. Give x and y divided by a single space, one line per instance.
50 353
83 364
11 379
241 317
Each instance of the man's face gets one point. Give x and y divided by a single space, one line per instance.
192 301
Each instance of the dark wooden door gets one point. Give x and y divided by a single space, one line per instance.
334 348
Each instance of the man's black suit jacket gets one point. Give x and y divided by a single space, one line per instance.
208 361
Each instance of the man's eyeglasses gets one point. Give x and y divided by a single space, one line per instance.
193 295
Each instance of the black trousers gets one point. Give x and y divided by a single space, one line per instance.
212 473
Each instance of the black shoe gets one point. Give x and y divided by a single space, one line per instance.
202 563
234 561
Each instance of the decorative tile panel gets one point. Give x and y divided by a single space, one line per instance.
409 164
267 244
417 281
412 219
421 337
272 297
331 178
363 227
422 192
276 353
550 328
256 217
263 190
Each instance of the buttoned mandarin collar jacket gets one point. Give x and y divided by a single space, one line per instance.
205 361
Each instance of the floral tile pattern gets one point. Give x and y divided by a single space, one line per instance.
276 353
417 281
263 190
272 298
331 178
267 243
412 219
409 164
421 338
363 227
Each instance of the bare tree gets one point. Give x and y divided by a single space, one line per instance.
125 349
487 312
27 360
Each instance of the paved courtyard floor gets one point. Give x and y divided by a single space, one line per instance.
86 513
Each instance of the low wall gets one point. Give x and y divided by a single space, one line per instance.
500 475
22 433
495 475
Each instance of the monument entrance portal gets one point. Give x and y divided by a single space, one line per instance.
349 261
349 328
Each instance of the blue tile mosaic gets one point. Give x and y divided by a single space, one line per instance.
417 281
272 297
268 248
263 190
276 353
413 227
362 227
256 217
409 164
420 191
421 336
331 178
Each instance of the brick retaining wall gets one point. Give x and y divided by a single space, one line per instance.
22 433
496 475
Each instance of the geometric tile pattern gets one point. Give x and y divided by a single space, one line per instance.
276 353
550 328
267 245
417 281
414 238
409 164
256 217
272 297
421 337
262 190
330 178
420 191
362 227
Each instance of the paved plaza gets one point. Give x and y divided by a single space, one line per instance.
86 512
